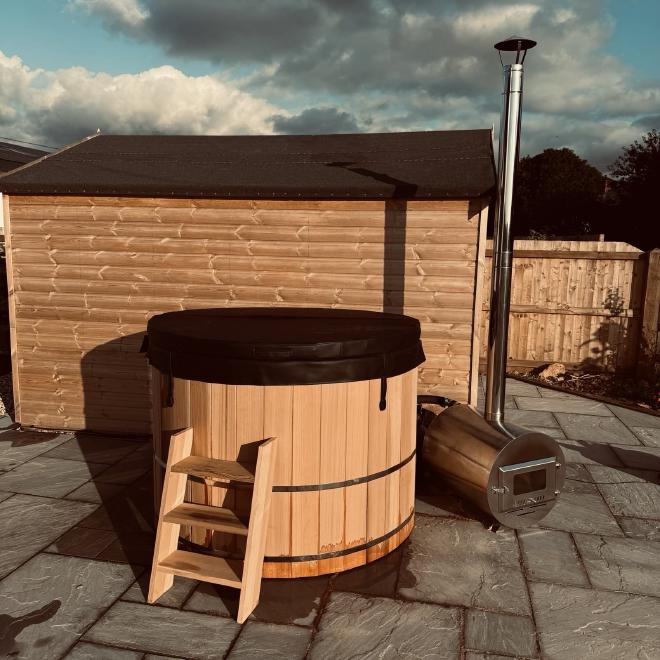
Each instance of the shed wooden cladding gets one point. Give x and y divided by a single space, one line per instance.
88 272
327 435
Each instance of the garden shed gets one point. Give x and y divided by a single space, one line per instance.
106 233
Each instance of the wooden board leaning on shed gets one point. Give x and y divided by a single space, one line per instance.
86 273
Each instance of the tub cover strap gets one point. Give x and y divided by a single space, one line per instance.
170 384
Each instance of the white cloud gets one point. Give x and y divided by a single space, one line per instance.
57 107
495 21
116 13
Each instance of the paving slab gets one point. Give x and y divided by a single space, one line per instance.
594 429
459 562
581 507
557 394
49 477
591 624
131 512
353 626
86 651
174 597
500 633
518 388
28 524
628 492
272 641
95 492
642 458
52 599
17 447
635 418
82 542
473 655
378 578
6 422
564 405
164 631
649 436
583 452
551 556
137 549
281 601
631 565
129 469
553 432
640 528
509 403
93 448
528 418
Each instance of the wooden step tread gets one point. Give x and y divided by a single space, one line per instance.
207 568
216 469
210 517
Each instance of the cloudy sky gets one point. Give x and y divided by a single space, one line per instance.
68 67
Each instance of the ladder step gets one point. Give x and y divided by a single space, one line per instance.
207 568
211 517
216 470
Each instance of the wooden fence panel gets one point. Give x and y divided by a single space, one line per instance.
576 302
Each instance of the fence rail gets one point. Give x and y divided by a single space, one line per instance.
588 303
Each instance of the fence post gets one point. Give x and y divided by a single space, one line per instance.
649 347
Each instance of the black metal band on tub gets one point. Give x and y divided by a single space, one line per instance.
348 482
306 488
340 553
323 555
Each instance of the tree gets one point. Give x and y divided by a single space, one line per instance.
635 195
557 193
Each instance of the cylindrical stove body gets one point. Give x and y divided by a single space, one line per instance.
515 477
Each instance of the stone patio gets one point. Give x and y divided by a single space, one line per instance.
76 539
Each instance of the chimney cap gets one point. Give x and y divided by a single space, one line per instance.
515 43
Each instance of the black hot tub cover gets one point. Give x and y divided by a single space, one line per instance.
283 346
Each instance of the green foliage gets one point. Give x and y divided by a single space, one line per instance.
557 193
634 205
639 166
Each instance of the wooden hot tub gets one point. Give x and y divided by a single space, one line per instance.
336 387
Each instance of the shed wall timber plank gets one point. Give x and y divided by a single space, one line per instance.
90 271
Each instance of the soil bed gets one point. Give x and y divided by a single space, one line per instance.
615 388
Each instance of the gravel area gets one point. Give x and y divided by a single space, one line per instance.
6 396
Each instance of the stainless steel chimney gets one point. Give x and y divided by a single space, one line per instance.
513 474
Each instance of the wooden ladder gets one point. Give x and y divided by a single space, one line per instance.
168 561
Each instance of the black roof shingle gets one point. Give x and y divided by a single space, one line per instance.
14 155
418 165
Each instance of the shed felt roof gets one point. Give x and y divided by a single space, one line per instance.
434 164
13 155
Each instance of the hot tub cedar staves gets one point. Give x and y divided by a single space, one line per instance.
328 434
86 272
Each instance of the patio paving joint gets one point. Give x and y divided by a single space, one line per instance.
526 580
581 559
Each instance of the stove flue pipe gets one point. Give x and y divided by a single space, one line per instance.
500 297
513 474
